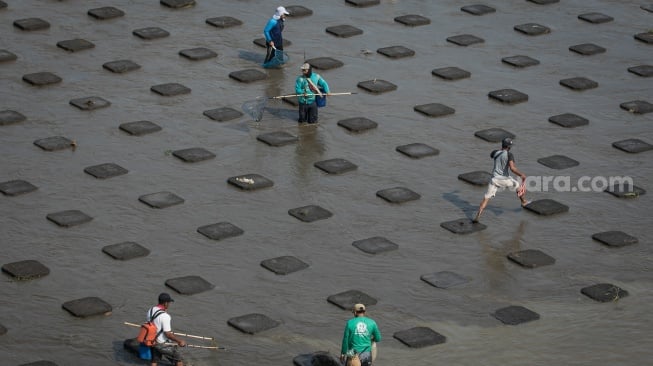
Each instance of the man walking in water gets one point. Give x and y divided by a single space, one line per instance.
504 163
272 33
165 337
360 333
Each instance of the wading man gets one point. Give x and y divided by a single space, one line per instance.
165 337
272 32
360 333
309 85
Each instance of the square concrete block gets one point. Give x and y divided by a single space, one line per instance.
3 330
547 207
544 2
277 138
396 51
508 96
6 55
121 66
220 231
161 199
224 22
89 103
465 40
595 18
31 24
344 31
477 178
637 106
250 182
9 117
335 166
604 292
17 187
646 37
42 363
316 359
252 323
74 45
189 285
640 70
444 279
54 143
412 20
632 146
579 83
363 3
531 258
532 29
587 49
398 195
494 134
26 270
417 150
106 12
126 250
377 86
261 42
569 120
170 89
140 128
223 114
87 306
177 4
41 78
520 61
478 9
284 265
198 53
514 315
463 226
625 190
357 124
248 75
150 33
647 7
375 245
434 109
558 162
193 155
615 238
104 171
69 218
324 63
451 73
310 213
297 11
346 300
419 337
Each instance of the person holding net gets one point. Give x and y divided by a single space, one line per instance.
272 32
308 86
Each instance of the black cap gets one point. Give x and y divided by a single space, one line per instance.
506 142
164 298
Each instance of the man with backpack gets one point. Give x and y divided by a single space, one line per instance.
309 86
165 337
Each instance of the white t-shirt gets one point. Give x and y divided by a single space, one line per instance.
162 321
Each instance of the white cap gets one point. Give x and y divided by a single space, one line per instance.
306 66
282 11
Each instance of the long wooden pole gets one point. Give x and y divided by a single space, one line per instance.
300 95
196 346
176 333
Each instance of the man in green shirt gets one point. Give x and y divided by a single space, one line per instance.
360 333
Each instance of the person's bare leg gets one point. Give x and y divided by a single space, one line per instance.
481 207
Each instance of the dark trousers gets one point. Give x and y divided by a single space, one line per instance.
271 52
308 113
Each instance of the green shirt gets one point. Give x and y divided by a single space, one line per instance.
360 332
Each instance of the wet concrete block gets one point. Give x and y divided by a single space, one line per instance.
363 3
632 146
544 2
587 49
90 103
177 4
508 96
2 6
223 114
579 83
26 270
558 162
531 258
396 51
477 178
520 61
604 292
595 18
641 70
41 78
444 279
412 20
261 42
319 358
189 285
398 195
126 250
417 150
569 120
375 245
277 138
335 166
121 66
344 31
434 109
465 40
284 265
106 12
87 306
131 345
646 37
532 29
74 45
193 155
637 106
69 218
139 128
170 89
39 363
357 124
248 75
494 134
419 337
9 117
514 315
478 9
310 213
161 199
6 55
451 73
297 11
625 190
106 170
324 63
253 323
250 182
615 238
31 24
463 226
3 330
346 300
647 7
151 33
198 53
17 187
220 230
224 22
377 86
547 207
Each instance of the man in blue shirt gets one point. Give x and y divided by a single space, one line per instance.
272 33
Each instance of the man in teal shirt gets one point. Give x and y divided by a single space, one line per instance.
307 86
360 333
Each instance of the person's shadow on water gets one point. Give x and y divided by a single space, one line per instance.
468 208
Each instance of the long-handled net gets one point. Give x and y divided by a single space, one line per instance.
255 108
278 59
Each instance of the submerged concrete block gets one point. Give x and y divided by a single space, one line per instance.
69 218
74 45
248 75
87 306
398 195
17 187
595 18
189 285
170 89
532 29
419 337
319 358
89 103
139 128
310 213
224 22
42 78
604 292
357 124
377 86
434 109
494 134
9 117
546 207
465 40
223 114
161 199
375 245
344 31
346 300
335 166
26 270
412 20
463 226
417 150
105 171
250 182
514 315
615 238
451 73
54 143
198 53
637 106
558 162
284 265
31 24
569 120
396 52
324 63
444 279
253 323
508 96
193 154
531 258
579 83
126 250
106 12
520 61
477 178
277 138
151 33
632 146
478 9
587 49
220 231
121 66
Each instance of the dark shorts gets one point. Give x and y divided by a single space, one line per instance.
173 353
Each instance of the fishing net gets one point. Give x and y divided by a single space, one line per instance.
280 57
254 108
